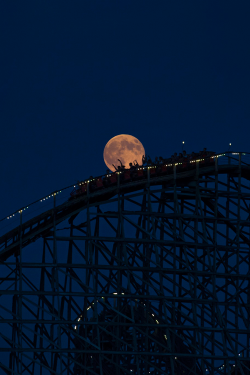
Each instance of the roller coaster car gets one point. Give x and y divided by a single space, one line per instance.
135 174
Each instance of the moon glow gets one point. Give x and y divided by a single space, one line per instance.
124 147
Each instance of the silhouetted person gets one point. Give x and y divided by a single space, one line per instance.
149 161
156 162
180 157
122 166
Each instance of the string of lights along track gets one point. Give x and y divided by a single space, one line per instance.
86 181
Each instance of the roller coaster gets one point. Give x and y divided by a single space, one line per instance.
143 272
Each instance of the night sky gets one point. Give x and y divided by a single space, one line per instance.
76 73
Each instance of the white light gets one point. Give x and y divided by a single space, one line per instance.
175 357
230 144
183 142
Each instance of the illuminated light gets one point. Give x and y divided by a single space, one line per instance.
183 142
157 321
175 357
115 293
41 200
75 327
74 186
8 217
153 314
230 144
165 336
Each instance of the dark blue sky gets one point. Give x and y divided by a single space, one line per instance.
76 73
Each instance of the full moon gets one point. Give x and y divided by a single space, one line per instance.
124 147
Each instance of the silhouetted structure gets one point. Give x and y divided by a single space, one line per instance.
142 274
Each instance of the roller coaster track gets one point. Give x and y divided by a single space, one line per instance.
42 224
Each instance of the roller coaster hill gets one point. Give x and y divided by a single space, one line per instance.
140 271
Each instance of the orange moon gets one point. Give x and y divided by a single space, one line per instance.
124 147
